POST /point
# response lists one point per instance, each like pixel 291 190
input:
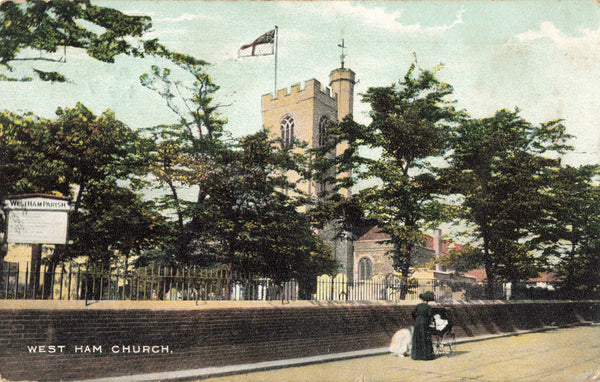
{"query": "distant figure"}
pixel 422 347
pixel 401 342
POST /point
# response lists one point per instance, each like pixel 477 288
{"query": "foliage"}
pixel 244 201
pixel 410 123
pixel 115 222
pixel 409 126
pixel 50 28
pixel 249 215
pixel 582 271
pixel 47 26
pixel 172 163
pixel 23 166
pixel 76 154
pixel 500 162
pixel 464 259
pixel 181 154
pixel 569 229
pixel 334 173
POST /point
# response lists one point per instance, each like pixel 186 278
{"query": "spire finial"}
pixel 343 55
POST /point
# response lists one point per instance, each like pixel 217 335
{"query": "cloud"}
pixel 180 18
pixel 547 30
pixel 136 12
pixel 375 17
pixel 586 45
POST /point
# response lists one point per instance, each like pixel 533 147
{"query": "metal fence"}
pixel 76 282
pixel 380 288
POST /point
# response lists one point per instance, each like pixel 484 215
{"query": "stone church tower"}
pixel 303 113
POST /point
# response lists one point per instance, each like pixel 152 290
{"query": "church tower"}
pixel 342 82
pixel 303 112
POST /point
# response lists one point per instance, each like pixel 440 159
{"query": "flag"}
pixel 262 46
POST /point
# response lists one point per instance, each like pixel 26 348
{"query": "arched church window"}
pixel 323 136
pixel 365 269
pixel 287 130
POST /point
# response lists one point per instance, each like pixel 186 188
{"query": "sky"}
pixel 542 57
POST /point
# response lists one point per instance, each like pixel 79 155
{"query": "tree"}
pixel 77 148
pixel 182 152
pixel 250 219
pixel 52 27
pixel 176 153
pixel 336 173
pixel 570 228
pixel 70 155
pixel 497 166
pixel 115 222
pixel 23 166
pixel 410 124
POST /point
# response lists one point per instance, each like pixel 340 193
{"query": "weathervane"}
pixel 343 55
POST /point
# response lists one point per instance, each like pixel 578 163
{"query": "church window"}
pixel 365 269
pixel 287 130
pixel 323 137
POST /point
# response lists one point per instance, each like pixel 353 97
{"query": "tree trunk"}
pixel 229 280
pixel 489 271
pixel 402 264
pixel 34 275
pixel 570 276
pixel 49 277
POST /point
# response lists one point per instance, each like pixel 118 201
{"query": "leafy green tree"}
pixel 77 148
pixel 570 228
pixel 115 222
pixel 181 153
pixel 69 155
pixel 410 125
pixel 497 165
pixel 333 207
pixel 36 30
pixel 171 165
pixel 51 27
pixel 250 216
pixel 24 167
pixel 92 148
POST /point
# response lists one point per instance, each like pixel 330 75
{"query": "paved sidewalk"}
pixel 561 355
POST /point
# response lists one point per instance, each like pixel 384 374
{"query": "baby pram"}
pixel 441 331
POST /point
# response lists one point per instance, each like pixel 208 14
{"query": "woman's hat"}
pixel 427 296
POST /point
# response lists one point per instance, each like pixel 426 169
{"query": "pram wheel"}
pixel 444 344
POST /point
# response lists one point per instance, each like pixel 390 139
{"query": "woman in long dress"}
pixel 422 347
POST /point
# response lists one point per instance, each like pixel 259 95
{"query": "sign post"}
pixel 36 219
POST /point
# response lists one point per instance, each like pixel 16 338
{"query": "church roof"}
pixel 374 234
pixel 548 277
pixel 377 234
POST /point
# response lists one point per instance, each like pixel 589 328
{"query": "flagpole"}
pixel 275 82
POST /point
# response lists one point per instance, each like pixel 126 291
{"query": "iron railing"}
pixel 391 289
pixel 77 282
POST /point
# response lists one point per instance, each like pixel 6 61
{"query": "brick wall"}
pixel 229 334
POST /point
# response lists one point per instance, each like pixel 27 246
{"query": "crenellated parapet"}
pixel 312 88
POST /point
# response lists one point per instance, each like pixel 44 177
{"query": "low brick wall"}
pixel 124 338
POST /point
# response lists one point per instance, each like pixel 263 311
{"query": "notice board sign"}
pixel 37 219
